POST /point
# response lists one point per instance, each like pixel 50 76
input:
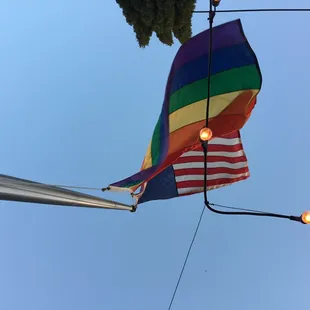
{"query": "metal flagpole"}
pixel 21 190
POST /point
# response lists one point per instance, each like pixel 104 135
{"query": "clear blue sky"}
pixel 79 101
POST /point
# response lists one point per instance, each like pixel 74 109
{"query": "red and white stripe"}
pixel 226 161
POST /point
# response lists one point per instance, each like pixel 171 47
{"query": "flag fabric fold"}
pixel 235 82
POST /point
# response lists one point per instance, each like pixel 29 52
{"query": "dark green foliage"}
pixel 182 28
pixel 143 33
pixel 166 22
pixel 129 12
pixel 164 17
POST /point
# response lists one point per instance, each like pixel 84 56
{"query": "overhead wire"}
pixel 77 187
pixel 235 208
pixel 186 258
pixel 249 211
pixel 205 147
pixel 255 10
pixel 205 143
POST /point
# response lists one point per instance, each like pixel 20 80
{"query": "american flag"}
pixel 226 164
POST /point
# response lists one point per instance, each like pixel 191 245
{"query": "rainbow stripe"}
pixel 235 82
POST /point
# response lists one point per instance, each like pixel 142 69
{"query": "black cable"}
pixel 211 18
pixel 235 208
pixel 187 255
pixel 252 212
pixel 205 143
pixel 254 10
pixel 208 205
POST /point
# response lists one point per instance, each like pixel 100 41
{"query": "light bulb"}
pixel 215 3
pixel 305 217
pixel 205 134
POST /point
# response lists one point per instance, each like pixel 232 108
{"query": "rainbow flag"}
pixel 235 82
